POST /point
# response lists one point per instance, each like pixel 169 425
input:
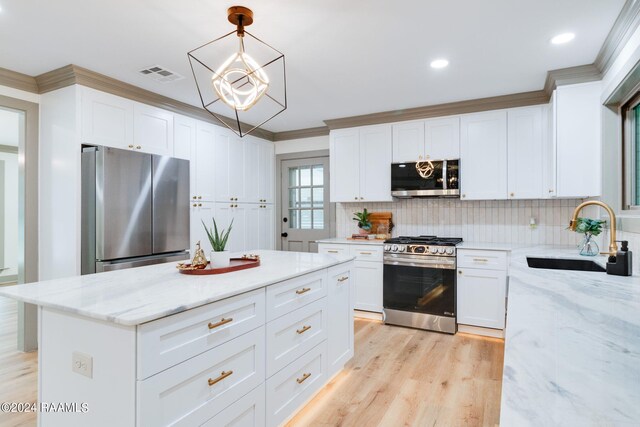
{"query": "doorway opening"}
pixel 11 124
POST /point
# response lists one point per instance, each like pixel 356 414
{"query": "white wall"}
pixel 19 94
pixel 302 144
pixel 10 214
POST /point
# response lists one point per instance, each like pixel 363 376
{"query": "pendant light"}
pixel 241 76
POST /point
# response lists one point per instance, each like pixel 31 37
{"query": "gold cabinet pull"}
pixel 333 252
pixel 459 271
pixel 303 378
pixel 365 253
pixel 138 147
pixel 222 321
pixel 512 194
pixel 481 260
pixel 303 330
pixel 194 197
pixel 194 205
pixel 343 278
pixel 302 291
pixel 222 376
pixel 130 145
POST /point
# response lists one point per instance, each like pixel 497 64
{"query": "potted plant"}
pixel 589 227
pixel 219 255
pixel 363 221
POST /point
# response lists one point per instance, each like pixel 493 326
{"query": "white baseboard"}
pixel 367 315
pixel 477 330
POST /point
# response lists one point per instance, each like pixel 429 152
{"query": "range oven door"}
pixel 419 285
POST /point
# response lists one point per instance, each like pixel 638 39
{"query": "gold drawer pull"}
pixel 333 252
pixel 481 260
pixel 342 279
pixel 303 379
pixel 303 330
pixel 222 321
pixel 302 291
pixel 365 253
pixel 222 376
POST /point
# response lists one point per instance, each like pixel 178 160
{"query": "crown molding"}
pixel 17 80
pixel 73 74
pixel 301 133
pixel 571 75
pixel 623 28
pixel 461 107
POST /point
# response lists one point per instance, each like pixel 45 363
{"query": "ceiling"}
pixel 344 58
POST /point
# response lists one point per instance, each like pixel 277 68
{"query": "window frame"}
pixel 629 141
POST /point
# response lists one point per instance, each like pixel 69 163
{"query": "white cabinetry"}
pixel 152 130
pixel 483 156
pixel 202 162
pixel 184 139
pixel 266 174
pixel 229 167
pixel 106 119
pixel 525 150
pixel 578 132
pixel 408 141
pixel 482 286
pixel 361 164
pixel 201 212
pixel 442 138
pixel 260 227
pixel 341 302
pixel 227 212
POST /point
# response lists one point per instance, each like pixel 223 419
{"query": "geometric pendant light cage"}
pixel 240 78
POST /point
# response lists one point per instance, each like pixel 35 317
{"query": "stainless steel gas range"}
pixel 419 288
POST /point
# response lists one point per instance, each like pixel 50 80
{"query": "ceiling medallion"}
pixel 240 74
pixel 425 169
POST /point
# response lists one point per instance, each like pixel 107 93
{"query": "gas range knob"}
pixel 401 248
pixel 433 250
pixel 387 247
pixel 449 251
pixel 394 248
pixel 440 250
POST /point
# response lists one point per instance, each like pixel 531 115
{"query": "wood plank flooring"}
pixel 398 377
pixel 18 371
pixel 406 377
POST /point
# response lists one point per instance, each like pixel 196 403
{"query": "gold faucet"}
pixel 613 247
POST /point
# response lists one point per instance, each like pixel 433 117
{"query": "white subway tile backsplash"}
pixel 501 221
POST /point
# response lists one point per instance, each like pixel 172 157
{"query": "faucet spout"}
pixel 613 247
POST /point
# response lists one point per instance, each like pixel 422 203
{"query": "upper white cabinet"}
pixel 525 150
pixel 408 141
pixel 229 166
pixel 266 174
pixel 434 139
pixel 442 138
pixel 184 137
pixel 361 164
pixel 106 119
pixel 203 155
pixel 577 140
pixel 153 130
pixel 483 156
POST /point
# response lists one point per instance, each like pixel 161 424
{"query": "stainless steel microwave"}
pixel 435 178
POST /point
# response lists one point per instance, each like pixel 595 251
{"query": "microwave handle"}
pixel 444 175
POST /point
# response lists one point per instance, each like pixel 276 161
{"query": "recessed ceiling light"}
pixel 439 63
pixel 563 38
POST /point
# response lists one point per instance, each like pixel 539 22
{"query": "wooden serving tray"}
pixel 236 265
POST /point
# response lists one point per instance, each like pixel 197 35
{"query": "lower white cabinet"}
pixel 340 305
pixel 192 392
pixel 249 411
pixel 482 289
pixel 294 385
pixel 201 212
pixel 368 285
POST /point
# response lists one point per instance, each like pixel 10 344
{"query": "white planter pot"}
pixel 220 259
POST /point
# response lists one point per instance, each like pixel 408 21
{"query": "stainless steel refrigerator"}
pixel 135 209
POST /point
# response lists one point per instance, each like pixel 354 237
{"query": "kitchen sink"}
pixel 564 264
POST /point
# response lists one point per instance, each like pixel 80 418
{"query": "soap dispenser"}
pixel 622 265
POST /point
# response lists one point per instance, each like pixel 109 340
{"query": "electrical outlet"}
pixel 82 364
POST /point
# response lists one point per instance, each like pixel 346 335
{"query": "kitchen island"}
pixel 150 347
pixel 572 345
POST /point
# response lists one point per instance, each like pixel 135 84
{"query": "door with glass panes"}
pixel 305 203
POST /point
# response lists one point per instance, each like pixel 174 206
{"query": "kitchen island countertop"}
pixel 140 295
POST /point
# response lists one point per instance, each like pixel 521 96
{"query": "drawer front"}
pixel 290 295
pixel 171 340
pixel 367 252
pixel 326 249
pixel 489 260
pixel 194 391
pixel 294 385
pixel 290 336
pixel 249 411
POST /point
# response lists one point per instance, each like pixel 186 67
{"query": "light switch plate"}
pixel 82 364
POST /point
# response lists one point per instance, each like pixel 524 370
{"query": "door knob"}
pixel 285 234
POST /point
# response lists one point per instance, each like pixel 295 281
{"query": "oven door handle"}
pixel 445 265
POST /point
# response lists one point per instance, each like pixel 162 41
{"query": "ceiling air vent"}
pixel 161 74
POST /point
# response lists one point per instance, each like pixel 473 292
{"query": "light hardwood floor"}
pixel 398 377
pixel 407 377
pixel 18 371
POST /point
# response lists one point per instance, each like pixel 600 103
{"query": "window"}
pixel 631 153
pixel 306 197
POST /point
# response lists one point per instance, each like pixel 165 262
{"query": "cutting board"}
pixel 378 218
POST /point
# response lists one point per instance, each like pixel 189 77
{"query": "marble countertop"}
pixel 488 246
pixel 139 295
pixel 345 241
pixel 572 345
